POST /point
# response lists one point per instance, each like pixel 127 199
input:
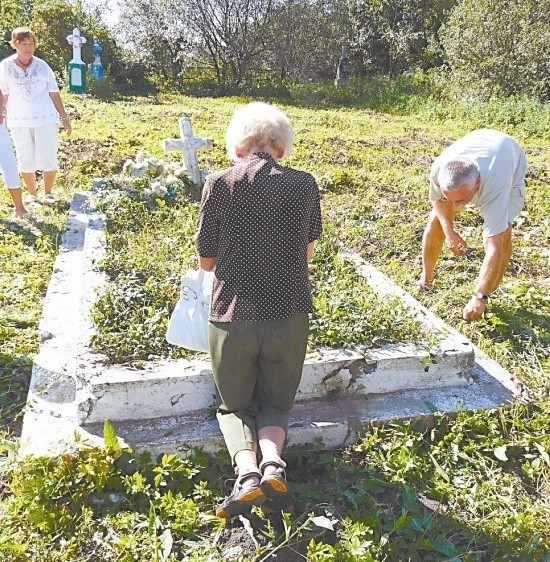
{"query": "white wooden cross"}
pixel 76 41
pixel 189 145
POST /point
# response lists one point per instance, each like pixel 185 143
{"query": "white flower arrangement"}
pixel 144 163
pixel 145 178
pixel 162 175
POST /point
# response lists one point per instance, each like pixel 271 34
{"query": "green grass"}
pixel 470 487
pixel 148 245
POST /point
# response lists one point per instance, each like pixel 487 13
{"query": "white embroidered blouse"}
pixel 29 103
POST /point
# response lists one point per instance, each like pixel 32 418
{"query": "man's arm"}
pixel 445 213
pixel 495 262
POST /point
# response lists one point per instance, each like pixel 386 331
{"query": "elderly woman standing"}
pixel 31 97
pixel 8 167
pixel 257 225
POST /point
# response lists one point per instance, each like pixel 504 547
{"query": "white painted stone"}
pixel 335 419
pixel 174 387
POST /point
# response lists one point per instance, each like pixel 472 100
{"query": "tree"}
pixel 392 36
pixel 13 13
pixel 497 47
pixel 233 42
pixel 52 21
pixel 231 35
pixel 157 35
pixel 288 57
pixel 198 39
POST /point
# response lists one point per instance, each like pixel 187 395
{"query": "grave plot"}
pixel 168 403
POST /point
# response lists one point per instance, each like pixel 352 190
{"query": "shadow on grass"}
pixel 29 231
pixel 519 326
pixel 15 376
pixel 362 516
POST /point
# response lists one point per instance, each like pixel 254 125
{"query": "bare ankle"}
pixel 272 465
pixel 426 280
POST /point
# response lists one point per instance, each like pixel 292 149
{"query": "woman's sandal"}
pixel 242 498
pixel 23 217
pixel 275 487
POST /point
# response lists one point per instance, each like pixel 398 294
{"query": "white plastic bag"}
pixel 188 326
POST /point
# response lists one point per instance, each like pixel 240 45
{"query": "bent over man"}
pixel 485 168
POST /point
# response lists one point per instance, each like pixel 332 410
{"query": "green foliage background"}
pixel 495 48
pixel 472 50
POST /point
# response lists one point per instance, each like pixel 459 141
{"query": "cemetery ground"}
pixel 469 487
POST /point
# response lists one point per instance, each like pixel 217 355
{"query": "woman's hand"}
pixel 56 99
pixel 67 126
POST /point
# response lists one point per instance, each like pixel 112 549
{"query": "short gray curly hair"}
pixel 259 124
pixel 458 172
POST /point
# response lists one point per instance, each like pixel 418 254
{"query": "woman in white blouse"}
pixel 31 97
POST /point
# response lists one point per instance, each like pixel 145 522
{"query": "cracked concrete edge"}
pixel 51 414
pixel 383 285
pixel 338 420
pixel 156 392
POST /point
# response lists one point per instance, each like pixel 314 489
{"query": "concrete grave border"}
pixel 73 391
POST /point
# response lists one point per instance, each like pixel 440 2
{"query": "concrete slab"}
pixel 165 388
pixel 169 405
pixel 336 419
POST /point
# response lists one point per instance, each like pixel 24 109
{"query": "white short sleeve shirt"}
pixel 502 166
pixel 29 103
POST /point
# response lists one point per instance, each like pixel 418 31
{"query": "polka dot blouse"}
pixel 257 219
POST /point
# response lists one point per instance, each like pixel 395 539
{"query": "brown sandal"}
pixel 242 498
pixel 275 488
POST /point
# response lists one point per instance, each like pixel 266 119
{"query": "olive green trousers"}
pixel 257 368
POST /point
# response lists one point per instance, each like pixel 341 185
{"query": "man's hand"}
pixel 474 309
pixel 456 243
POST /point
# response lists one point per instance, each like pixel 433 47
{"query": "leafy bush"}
pixel 494 47
pixel 525 116
pixel 103 89
pixel 57 501
pixel 394 36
